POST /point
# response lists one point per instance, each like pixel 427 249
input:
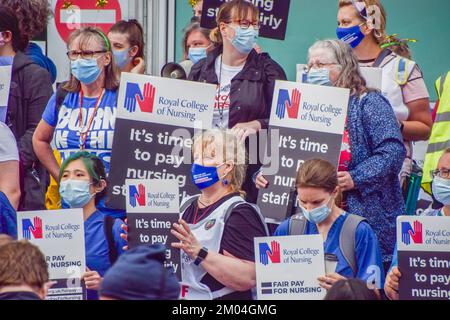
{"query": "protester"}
pixel 196 42
pixel 364 28
pixel 369 171
pixel 351 289
pixel 33 16
pixel 83 184
pixel 9 166
pixel 139 274
pixel 197 8
pixel 30 90
pixel 245 79
pixel 217 228
pixel 127 41
pixel 82 114
pixel 23 272
pixel 441 191
pixel 318 190
pixel 440 135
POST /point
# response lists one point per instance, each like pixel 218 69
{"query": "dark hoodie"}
pixel 34 52
pixel 31 88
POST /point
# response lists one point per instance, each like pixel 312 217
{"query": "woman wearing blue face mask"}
pixel 196 42
pixel 127 41
pixel 441 193
pixel 372 150
pixel 362 24
pixel 317 187
pixel 217 227
pixel 83 185
pixel 81 114
pixel 245 79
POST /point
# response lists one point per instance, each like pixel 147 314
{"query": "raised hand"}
pixel 283 98
pixel 141 196
pixel 417 234
pixel 406 228
pixel 275 255
pixel 132 94
pixel 294 105
pixel 133 194
pixel 148 100
pixel 26 227
pixel 263 256
pixel 37 229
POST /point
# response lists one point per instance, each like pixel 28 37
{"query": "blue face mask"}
pixel 122 58
pixel 353 35
pixel 441 190
pixel 75 193
pixel 319 76
pixel 197 54
pixel 85 70
pixel 204 177
pixel 245 39
pixel 317 215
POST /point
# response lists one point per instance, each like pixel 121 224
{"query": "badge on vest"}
pixel 210 224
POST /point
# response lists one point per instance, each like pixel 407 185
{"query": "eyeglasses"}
pixel 245 24
pixel 87 54
pixel 443 173
pixel 319 65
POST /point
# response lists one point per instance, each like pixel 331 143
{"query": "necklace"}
pixel 221 107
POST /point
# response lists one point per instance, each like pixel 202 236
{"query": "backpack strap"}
pixel 381 57
pixel 61 94
pixel 297 225
pixel 187 203
pixel 108 229
pixel 347 240
pixel 441 86
pixel 234 205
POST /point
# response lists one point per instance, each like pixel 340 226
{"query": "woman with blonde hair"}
pixel 362 24
pixel 217 227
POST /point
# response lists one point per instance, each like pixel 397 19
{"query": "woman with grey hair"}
pixel 373 150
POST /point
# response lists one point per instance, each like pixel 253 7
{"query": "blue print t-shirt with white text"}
pixel 67 136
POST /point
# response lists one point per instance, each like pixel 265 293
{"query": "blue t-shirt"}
pixel 97 249
pixel 67 137
pixel 368 254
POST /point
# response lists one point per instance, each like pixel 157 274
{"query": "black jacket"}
pixel 251 90
pixel 31 88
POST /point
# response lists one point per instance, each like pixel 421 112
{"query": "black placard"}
pixel 295 147
pixel 138 149
pixel 273 16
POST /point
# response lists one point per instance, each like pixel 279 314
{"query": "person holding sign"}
pixel 81 114
pixel 217 228
pixel 245 79
pixel 441 192
pixel 82 185
pixel 318 189
pixel 372 152
pixel 127 41
pixel 362 24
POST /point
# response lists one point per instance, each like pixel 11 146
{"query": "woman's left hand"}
pixel 345 181
pixel 92 280
pixel 188 242
pixel 244 130
pixel 329 280
pixel 124 235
